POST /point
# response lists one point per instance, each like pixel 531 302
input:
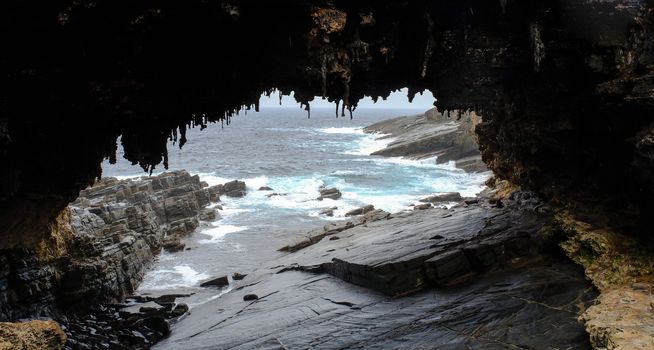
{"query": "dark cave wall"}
pixel 565 87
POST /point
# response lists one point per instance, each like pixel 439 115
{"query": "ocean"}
pixel 281 148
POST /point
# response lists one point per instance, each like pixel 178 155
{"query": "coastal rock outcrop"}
pixel 118 227
pixel 330 193
pixel 101 245
pixel 446 136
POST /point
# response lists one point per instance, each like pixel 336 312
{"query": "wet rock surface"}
pixel 474 276
pixel 137 323
pixel 447 136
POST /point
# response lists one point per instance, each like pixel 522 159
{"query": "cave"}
pixel 565 90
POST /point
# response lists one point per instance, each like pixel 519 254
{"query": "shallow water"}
pixel 284 150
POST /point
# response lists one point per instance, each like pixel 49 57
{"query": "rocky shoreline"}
pixel 446 136
pixel 475 275
pixel 97 253
pixel 483 271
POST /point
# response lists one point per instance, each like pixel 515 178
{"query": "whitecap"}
pixel 256 182
pixel 181 276
pixel 369 144
pixel 212 179
pixel 342 130
pixel 217 233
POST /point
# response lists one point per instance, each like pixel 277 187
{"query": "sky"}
pixel 397 99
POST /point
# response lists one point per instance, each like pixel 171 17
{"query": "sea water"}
pixel 281 148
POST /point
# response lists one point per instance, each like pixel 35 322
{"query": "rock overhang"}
pixel 565 88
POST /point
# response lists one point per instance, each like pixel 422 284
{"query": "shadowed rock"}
pixel 216 282
pixel 443 197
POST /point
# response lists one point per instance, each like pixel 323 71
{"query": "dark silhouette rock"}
pixel 250 297
pixel 216 282
pixel 234 188
pixel 443 198
pixel 238 276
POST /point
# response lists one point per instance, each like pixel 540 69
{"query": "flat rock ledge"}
pixel 473 276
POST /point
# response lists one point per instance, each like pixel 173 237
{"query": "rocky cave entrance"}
pixel 564 88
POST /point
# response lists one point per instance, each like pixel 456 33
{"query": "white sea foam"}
pixel 218 233
pixel 391 203
pixel 343 130
pixel 369 144
pixel 212 179
pixel 180 276
pixel 256 182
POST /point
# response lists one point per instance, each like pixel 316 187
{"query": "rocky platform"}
pixel 446 136
pixel 474 276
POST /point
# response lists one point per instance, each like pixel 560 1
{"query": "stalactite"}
pixel 323 75
pixel 537 45
pixel 337 102
pixel 429 46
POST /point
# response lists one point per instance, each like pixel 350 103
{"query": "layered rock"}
pixel 119 225
pixel 446 136
pixel 99 248
pixel 474 276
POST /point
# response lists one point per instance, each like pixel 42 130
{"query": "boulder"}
pixel 330 193
pixel 208 214
pixel 360 211
pixel 157 324
pixel 265 188
pixel 422 206
pixel 328 211
pixel 238 276
pixel 173 245
pixel 179 310
pixel 234 188
pixel 216 282
pixel 250 297
pixel 443 198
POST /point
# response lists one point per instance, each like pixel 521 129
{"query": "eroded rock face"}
pixel 565 89
pixel 100 246
pixel 446 136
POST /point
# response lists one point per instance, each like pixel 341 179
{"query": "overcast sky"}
pixel 397 99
